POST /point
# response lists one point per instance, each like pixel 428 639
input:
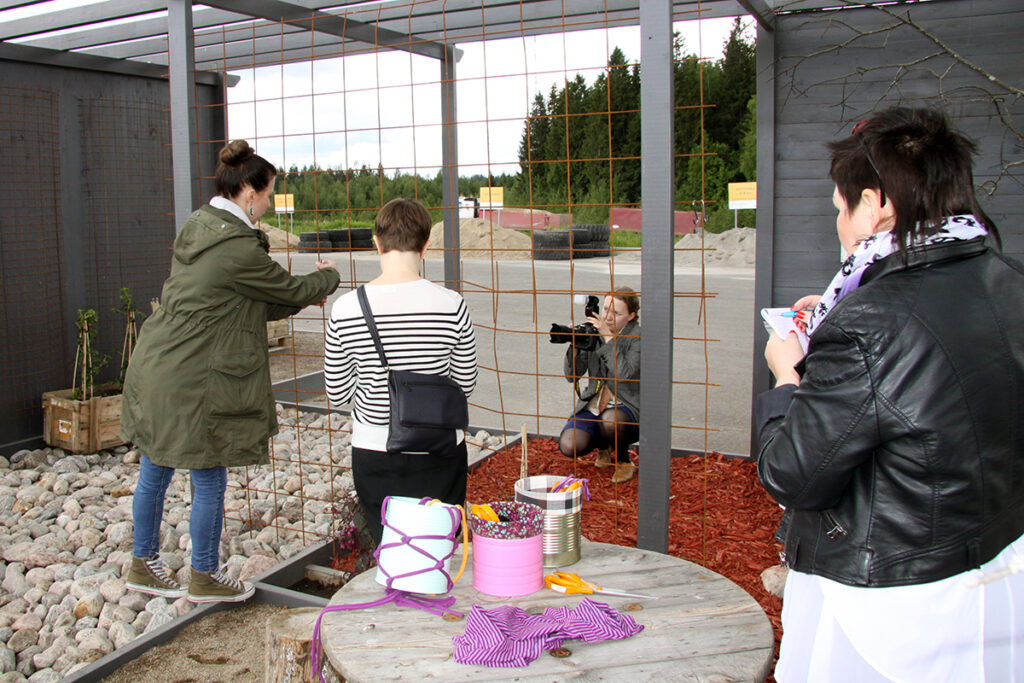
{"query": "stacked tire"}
pixel 346 239
pixel 579 241
pixel 314 242
pixel 351 239
pixel 596 242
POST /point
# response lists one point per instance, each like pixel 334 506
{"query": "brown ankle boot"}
pixel 623 472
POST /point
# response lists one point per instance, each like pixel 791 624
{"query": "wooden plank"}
pixel 325 575
pixel 702 626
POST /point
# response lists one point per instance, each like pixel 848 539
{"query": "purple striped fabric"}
pixel 507 636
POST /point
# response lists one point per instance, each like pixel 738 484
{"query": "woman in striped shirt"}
pixel 424 328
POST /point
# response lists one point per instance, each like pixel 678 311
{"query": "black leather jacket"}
pixel 900 457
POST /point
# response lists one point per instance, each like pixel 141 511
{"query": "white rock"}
pixel 160 619
pixel 30 554
pixel 122 633
pixel 72 508
pixel 182 606
pixel 255 565
pixel 28 620
pixel 113 590
pixel 95 642
pixel 23 639
pixel 106 617
pixel 40 577
pixel 774 579
pixel 45 659
pixel 119 535
pixel 14 583
pixel 44 675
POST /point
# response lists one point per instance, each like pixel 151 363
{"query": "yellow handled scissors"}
pixel 564 582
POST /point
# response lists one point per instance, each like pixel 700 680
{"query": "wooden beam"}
pixel 73 60
pixel 315 20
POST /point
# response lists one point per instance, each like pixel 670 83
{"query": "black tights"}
pixel 614 430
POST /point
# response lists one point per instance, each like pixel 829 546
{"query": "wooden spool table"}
pixel 702 627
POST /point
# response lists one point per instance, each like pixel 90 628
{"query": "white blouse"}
pixel 969 627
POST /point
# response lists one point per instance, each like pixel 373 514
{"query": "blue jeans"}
pixel 205 522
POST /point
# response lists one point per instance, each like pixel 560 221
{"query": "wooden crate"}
pixel 82 426
pixel 279 334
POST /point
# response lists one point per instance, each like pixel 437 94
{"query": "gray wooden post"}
pixel 450 172
pixel 657 262
pixel 181 69
pixel 764 274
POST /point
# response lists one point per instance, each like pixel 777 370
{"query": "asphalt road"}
pixel 513 304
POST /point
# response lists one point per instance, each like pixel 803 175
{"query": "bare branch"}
pixel 939 66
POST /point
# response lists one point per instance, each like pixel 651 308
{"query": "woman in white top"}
pixel 423 327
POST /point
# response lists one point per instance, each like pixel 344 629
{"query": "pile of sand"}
pixel 279 239
pixel 481 238
pixel 733 248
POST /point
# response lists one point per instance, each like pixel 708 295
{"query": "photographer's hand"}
pixel 602 327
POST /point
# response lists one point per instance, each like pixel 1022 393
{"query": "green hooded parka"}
pixel 197 393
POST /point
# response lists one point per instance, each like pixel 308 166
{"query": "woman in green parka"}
pixel 197 394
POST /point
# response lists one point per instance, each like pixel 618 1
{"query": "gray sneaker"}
pixel 217 587
pixel 152 577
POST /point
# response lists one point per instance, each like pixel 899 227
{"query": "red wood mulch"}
pixel 719 516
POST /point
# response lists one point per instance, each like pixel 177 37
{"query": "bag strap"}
pixel 368 316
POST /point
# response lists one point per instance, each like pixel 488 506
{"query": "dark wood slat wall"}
pixel 983 32
pixel 101 176
pixel 820 99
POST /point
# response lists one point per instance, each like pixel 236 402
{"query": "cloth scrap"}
pixel 507 636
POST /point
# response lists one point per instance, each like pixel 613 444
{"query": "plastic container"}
pixel 420 564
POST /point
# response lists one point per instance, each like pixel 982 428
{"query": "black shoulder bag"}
pixel 425 409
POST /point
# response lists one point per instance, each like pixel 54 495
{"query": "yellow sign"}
pixel 492 197
pixel 742 195
pixel 284 203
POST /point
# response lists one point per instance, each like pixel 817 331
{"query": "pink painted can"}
pixel 508 567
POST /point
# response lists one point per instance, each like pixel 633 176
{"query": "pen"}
pixel 790 314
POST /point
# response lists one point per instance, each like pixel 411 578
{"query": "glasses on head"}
pixel 857 134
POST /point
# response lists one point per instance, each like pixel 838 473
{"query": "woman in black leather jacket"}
pixel 897 444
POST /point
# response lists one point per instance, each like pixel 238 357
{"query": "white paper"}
pixel 782 325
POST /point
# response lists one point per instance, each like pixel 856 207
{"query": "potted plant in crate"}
pixel 87 417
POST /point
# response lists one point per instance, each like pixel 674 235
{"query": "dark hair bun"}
pixel 236 152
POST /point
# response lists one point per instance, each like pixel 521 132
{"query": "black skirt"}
pixel 378 475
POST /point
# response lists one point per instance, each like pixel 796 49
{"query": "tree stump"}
pixel 289 643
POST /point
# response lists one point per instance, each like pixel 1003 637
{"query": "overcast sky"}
pixel 385 107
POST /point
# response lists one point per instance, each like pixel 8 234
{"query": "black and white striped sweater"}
pixel 423 328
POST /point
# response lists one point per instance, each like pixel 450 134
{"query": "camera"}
pixel 583 336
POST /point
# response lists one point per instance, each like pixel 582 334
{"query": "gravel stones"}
pixel 66 538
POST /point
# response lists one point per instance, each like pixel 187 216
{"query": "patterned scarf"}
pixel 878 246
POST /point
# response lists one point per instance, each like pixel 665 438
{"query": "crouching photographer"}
pixel 607 350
